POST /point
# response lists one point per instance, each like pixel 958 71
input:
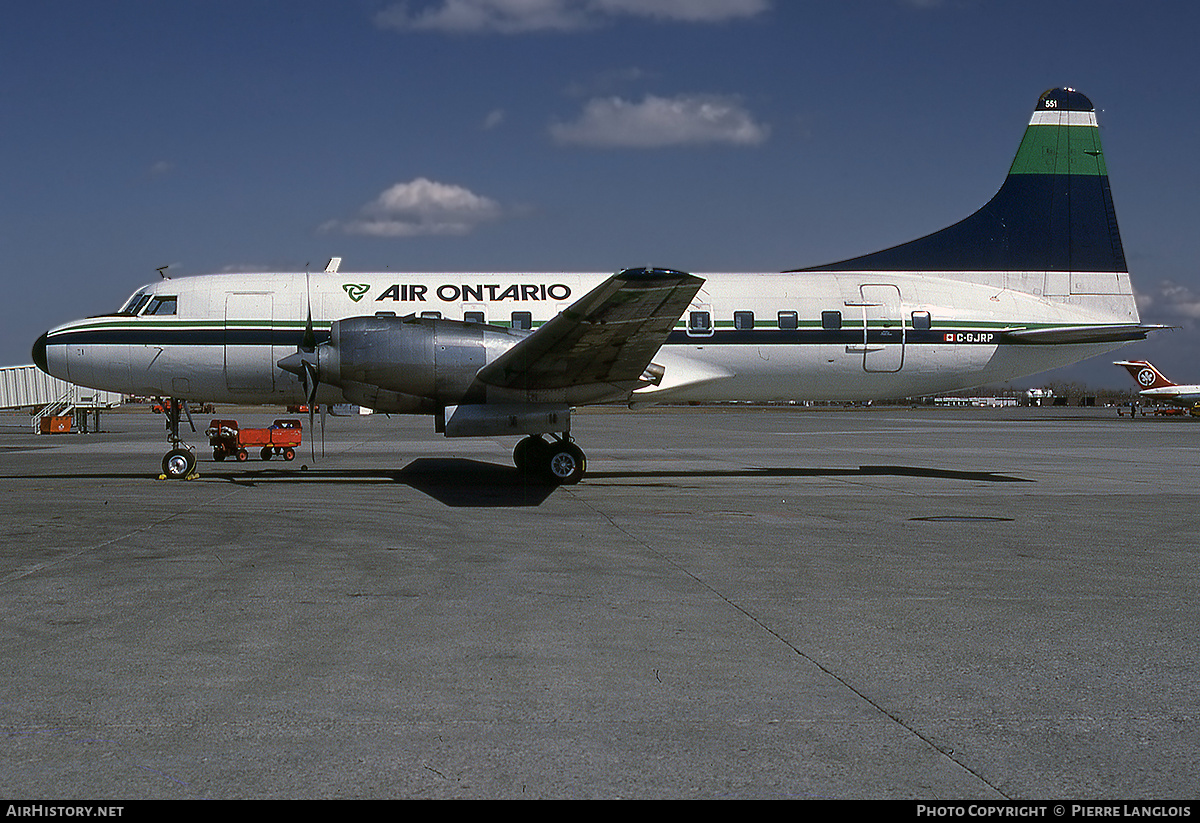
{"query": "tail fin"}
pixel 1053 213
pixel 1145 374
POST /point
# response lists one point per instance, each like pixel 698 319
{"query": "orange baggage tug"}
pixel 230 440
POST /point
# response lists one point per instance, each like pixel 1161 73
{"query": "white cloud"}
pixel 521 16
pixel 1172 300
pixel 494 118
pixel 613 122
pixel 475 16
pixel 690 11
pixel 420 207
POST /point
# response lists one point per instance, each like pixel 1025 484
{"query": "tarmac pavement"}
pixel 740 602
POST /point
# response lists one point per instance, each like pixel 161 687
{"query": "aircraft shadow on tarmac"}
pixel 861 471
pixel 456 482
pixel 461 482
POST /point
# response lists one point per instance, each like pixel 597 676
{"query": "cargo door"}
pixel 883 329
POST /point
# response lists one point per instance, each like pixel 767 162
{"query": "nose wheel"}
pixel 559 461
pixel 180 462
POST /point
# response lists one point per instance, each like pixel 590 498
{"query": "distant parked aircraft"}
pixel 1157 387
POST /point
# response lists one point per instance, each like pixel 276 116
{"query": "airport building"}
pixel 54 405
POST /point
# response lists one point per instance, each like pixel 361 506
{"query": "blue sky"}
pixel 451 135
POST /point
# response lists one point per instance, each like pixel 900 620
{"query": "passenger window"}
pixel 432 315
pixel 788 320
pixel 522 320
pixel 922 320
pixel 700 323
pixel 162 306
pixel 831 320
pixel 473 317
pixel 743 320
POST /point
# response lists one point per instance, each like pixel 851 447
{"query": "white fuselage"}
pixel 756 337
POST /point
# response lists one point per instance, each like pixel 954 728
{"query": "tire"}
pixel 289 453
pixel 178 464
pixel 526 452
pixel 564 463
pixel 266 453
pixel 242 456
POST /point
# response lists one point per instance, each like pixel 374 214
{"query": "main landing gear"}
pixel 180 462
pixel 558 461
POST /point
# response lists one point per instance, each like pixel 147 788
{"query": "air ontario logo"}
pixel 357 291
pixel 1146 377
pixel 452 293
pixel 476 293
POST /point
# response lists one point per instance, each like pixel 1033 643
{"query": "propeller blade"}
pixel 324 409
pixel 311 382
pixel 308 343
pixel 310 393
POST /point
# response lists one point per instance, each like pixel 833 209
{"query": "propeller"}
pixel 305 364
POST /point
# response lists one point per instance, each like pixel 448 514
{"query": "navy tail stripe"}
pixel 1036 222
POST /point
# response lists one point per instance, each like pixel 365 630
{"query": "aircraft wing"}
pixel 608 336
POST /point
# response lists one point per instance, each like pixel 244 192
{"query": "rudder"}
pixel 1145 374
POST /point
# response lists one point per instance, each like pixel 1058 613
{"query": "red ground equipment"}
pixel 230 440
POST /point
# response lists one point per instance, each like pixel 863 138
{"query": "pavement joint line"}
pixel 18 575
pixel 943 751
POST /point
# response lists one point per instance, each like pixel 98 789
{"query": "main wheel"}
pixel 564 462
pixel 526 453
pixel 178 463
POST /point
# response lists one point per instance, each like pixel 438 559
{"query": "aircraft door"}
pixel 249 363
pixel 884 331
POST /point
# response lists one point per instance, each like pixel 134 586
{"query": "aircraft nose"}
pixel 39 353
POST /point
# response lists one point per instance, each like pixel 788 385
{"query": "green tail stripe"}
pixel 1060 150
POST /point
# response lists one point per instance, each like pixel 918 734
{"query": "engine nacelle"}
pixel 410 364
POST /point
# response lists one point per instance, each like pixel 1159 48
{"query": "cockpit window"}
pixel 134 304
pixel 161 305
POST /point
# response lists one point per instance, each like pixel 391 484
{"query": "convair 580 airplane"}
pixel 1034 280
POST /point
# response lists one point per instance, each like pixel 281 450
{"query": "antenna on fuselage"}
pixel 162 272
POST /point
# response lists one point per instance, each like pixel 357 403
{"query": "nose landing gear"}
pixel 180 462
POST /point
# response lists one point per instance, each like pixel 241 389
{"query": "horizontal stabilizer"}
pixel 1081 334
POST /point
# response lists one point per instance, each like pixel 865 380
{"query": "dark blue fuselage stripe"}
pixel 291 338
pixel 184 337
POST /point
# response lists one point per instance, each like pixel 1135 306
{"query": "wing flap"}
pixel 608 336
